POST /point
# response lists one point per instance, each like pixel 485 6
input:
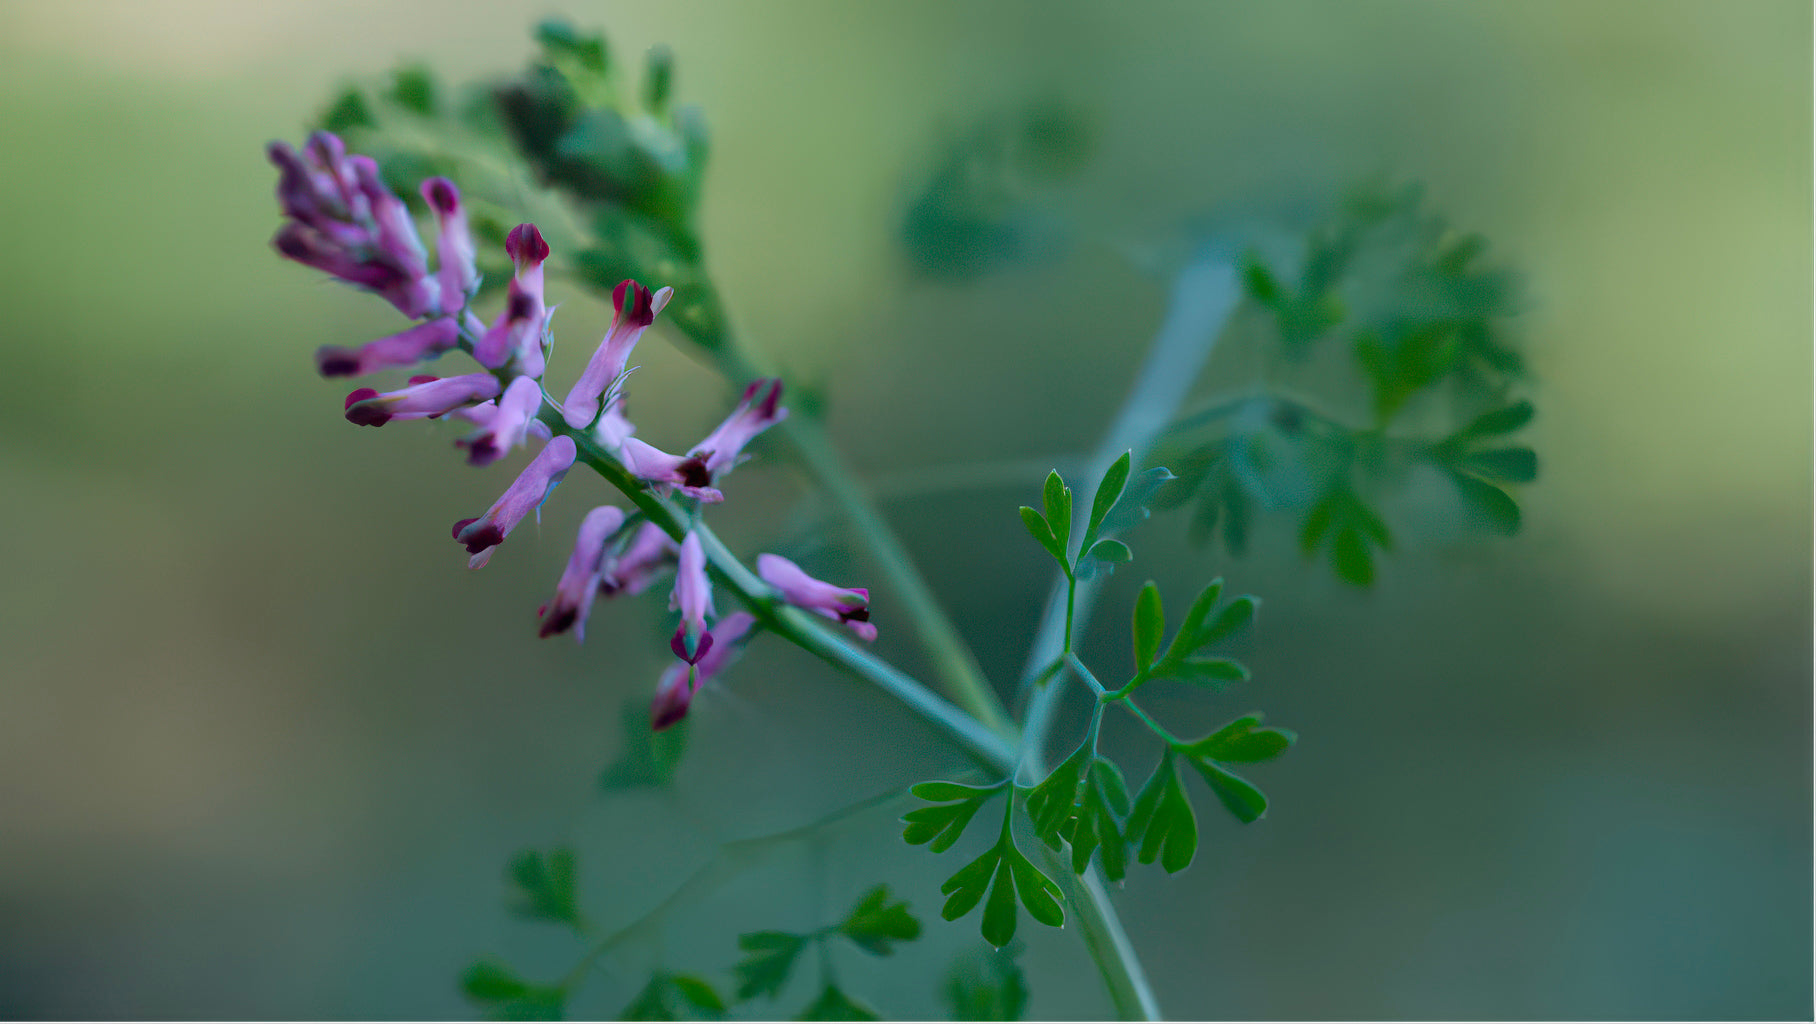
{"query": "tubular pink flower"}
pixel 612 429
pixel 757 411
pixel 675 691
pixel 527 250
pixel 507 426
pixel 405 348
pixel 426 397
pixel 580 581
pixel 850 606
pixel 650 551
pixel 458 274
pixel 397 242
pixel 312 248
pixel 634 309
pixel 688 474
pixel 526 493
pixel 693 597
pixel 310 189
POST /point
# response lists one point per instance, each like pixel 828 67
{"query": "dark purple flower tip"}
pixel 487 535
pixel 693 473
pixel 634 303
pixel 334 361
pixel 857 615
pixel 521 305
pixel 423 378
pixel 673 695
pixel 768 408
pixel 679 644
pixel 525 245
pixel 560 622
pixel 481 451
pixel 441 194
pixel 363 412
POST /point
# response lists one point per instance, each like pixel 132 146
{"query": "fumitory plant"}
pixel 561 165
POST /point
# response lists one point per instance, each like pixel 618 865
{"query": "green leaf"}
pixel 558 37
pixel 1111 550
pixel 769 956
pixel 652 1003
pixel 545 886
pixel 1231 620
pixel 491 982
pixel 1131 509
pixel 1148 624
pixel 1261 283
pixel 1499 421
pixel 1042 533
pixel 1093 826
pixel 1161 820
pixel 1514 465
pixel 1350 556
pixel 987 987
pixel 876 924
pixel 1057 498
pixel 999 912
pixel 1039 894
pixel 1242 743
pixel 413 88
pixel 1109 489
pixel 1489 504
pixel 836 1005
pixel 1317 523
pixel 1185 640
pixel 502 995
pixel 698 994
pixel 1238 794
pixel 1212 671
pixel 648 759
pixel 1050 802
pixel 940 826
pixel 347 112
pixel 968 884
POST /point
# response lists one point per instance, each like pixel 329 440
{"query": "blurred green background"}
pixel 266 744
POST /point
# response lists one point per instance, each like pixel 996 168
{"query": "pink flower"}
pixel 526 493
pixel 580 581
pixel 519 329
pixel 426 398
pixel 675 691
pixel 849 606
pixel 634 569
pixel 693 597
pixel 507 425
pixel 405 348
pixel 757 411
pixel 634 309
pixel 458 275
pixel 345 222
pixel 687 473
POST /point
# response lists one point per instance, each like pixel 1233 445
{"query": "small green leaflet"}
pixel 1198 630
pixel 1057 498
pixel 1242 741
pixel 1093 824
pixel 1109 490
pixel 497 991
pixel 769 956
pixel 940 826
pixel 1161 823
pixel 1354 530
pixel 876 924
pixel 1004 873
pixel 545 886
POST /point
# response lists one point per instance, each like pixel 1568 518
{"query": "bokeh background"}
pixel 266 744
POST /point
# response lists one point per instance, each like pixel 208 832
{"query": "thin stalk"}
pixel 954 664
pixel 1204 295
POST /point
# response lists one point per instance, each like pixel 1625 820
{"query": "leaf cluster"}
pixel 1003 873
pixel 544 886
pixel 500 994
pixel 1120 502
pixel 875 925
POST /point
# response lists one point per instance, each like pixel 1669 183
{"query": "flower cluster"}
pixel 343 220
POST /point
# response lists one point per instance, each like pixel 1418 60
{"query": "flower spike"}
pixel 675 691
pixel 580 581
pixel 634 309
pixel 693 597
pixel 850 606
pixel 525 494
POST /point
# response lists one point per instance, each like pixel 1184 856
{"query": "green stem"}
pixel 1134 709
pixel 953 662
